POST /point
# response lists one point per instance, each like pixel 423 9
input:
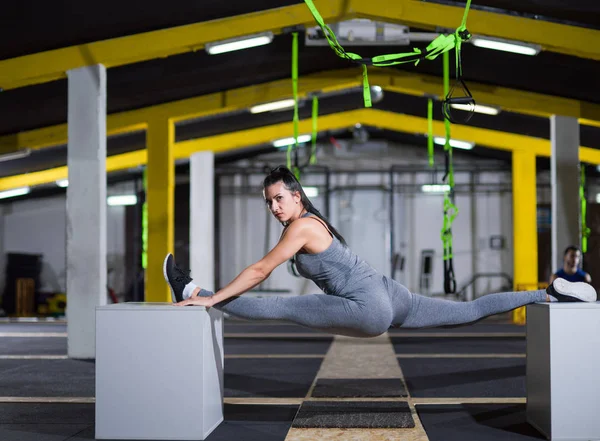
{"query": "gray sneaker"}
pixel 565 291
pixel 175 277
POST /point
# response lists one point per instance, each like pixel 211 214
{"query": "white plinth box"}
pixel 159 371
pixel 563 370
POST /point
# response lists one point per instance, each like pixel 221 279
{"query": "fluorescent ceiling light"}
pixel 455 143
pixel 435 188
pixel 236 44
pixel 311 192
pixel 19 154
pixel 506 46
pixel 14 192
pixel 62 183
pixel 126 199
pixel 275 105
pixel 290 141
pixel 487 110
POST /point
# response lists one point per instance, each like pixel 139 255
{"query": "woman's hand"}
pixel 197 301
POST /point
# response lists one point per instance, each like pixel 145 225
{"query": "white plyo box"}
pixel 159 371
pixel 563 370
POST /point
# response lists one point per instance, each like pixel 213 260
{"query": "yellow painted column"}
pixel 160 195
pixel 525 220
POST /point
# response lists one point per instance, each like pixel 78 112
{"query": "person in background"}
pixel 570 270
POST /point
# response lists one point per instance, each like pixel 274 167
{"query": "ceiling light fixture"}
pixel 311 192
pixel 506 45
pixel 126 199
pixel 284 142
pixel 236 44
pixel 62 183
pixel 455 143
pixel 435 188
pixel 275 105
pixel 19 154
pixel 487 110
pixel 14 192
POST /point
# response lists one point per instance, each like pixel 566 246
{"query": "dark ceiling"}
pixel 42 26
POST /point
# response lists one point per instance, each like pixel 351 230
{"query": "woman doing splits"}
pixel 357 301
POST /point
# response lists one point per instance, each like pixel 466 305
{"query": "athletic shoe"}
pixel 565 291
pixel 175 277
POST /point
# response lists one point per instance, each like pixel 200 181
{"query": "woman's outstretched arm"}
pixel 291 242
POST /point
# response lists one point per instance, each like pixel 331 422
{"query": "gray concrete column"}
pixel 202 262
pixel 86 207
pixel 564 172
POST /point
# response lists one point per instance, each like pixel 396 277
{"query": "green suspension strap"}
pixel 430 131
pixel 442 44
pixel 450 210
pixel 295 96
pixel 315 115
pixel 585 231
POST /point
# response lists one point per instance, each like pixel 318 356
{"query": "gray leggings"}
pixel 374 306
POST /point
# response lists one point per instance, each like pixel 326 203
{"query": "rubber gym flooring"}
pixel 285 382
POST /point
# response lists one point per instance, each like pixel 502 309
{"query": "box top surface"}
pixel 568 305
pixel 148 306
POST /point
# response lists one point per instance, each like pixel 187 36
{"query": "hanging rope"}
pixel 585 231
pixel 450 210
pixel 315 115
pixel 442 44
pixel 295 96
pixel 430 131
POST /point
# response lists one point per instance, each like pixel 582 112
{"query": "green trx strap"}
pixel 315 115
pixel 295 95
pixel 585 231
pixel 430 131
pixel 442 44
pixel 450 210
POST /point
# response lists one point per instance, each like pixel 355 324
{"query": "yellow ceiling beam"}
pixel 113 163
pixel 53 65
pixel 555 37
pixel 187 109
pixel 328 81
pixel 264 135
pixel 512 100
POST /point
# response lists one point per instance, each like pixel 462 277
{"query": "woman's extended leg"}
pixel 331 314
pixel 417 311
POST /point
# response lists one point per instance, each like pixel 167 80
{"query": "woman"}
pixel 358 301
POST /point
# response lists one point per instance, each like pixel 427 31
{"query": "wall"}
pixel 362 217
pixel 38 226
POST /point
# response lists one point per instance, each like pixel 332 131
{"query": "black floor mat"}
pixel 270 377
pixel 459 345
pixel 353 414
pixel 359 388
pixel 464 377
pixel 490 422
pixel 254 346
pixel 47 378
pixel 33 346
pixel 59 421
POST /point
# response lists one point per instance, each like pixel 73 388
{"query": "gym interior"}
pixel 455 145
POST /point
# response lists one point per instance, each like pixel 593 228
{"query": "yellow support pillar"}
pixel 160 140
pixel 525 220
pixel 525 244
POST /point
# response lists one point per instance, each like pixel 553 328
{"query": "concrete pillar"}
pixel 202 263
pixel 86 207
pixel 564 172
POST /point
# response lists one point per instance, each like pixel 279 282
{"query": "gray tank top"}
pixel 333 269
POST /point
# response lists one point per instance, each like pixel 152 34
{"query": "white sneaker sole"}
pixel 167 279
pixel 580 290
